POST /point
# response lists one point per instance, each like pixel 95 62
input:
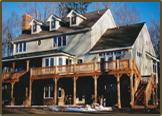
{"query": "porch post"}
pixel 74 98
pixel 131 87
pixel 30 92
pixel 95 77
pixel 118 90
pixel 156 97
pixel 153 97
pixel 13 66
pixel 12 89
pixel 27 65
pixel 55 79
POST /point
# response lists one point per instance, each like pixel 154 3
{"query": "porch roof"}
pixel 36 55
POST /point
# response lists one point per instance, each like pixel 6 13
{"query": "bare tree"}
pixel 97 6
pixel 62 9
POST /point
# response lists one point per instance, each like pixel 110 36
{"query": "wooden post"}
pixel 153 97
pixel 74 69
pixel 13 66
pixel 27 65
pixel 156 98
pixel 117 65
pixel 118 90
pixel 95 68
pixel 56 69
pixel 135 83
pixel 12 90
pixel 131 87
pixel 130 64
pixel 74 98
pixel 30 92
pixel 95 77
pixel 55 92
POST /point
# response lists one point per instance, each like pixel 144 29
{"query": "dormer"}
pixel 75 18
pixel 35 26
pixel 54 22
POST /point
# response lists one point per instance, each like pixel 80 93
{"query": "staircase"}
pixel 144 91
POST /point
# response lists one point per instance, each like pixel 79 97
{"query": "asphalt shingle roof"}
pixel 123 36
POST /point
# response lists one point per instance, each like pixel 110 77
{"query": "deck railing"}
pixel 115 65
pixel 12 75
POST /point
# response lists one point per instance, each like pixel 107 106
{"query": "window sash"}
pixel 60 61
pixel 73 20
pixel 47 62
pixel 52 62
pixel 59 41
pixel 20 47
pixel 34 27
pixel 53 24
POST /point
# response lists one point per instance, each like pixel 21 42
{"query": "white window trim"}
pixel 57 41
pixel 19 47
pixel 49 64
pixel 48 91
pixel 113 55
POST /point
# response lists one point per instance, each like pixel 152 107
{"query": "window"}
pixel 110 58
pixel 154 67
pixel 52 62
pixel 17 46
pixel 102 54
pixel 80 61
pixel 73 20
pixel 139 54
pixel 35 27
pixel 47 62
pixel 48 91
pixel 59 91
pixel 117 57
pixel 53 24
pixel 39 42
pixel 68 61
pixel 60 61
pixel 59 41
pixel 20 47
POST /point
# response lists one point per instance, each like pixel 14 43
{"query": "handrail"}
pixel 114 65
pixel 149 87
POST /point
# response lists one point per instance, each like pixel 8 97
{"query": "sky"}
pixel 147 9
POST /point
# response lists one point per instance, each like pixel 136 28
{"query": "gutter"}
pixel 47 36
pixel 152 57
pixel 113 49
pixel 37 57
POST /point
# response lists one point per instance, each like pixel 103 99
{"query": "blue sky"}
pixel 147 9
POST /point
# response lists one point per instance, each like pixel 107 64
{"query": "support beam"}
pixel 135 83
pixel 26 96
pixel 118 90
pixel 27 65
pixel 12 90
pixel 132 91
pixel 55 92
pixel 13 66
pixel 95 77
pixel 74 99
pixel 30 92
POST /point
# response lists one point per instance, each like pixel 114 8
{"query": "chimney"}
pixel 26 19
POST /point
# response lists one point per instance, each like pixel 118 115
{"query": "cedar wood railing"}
pixel 149 87
pixel 115 65
pixel 12 75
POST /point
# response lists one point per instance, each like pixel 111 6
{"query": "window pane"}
pixel 54 42
pixel 73 20
pixel 117 57
pixel 20 47
pixel 17 45
pixel 51 91
pixel 80 61
pixel 46 91
pixel 47 62
pixel 35 27
pixel 64 40
pixel 60 61
pixel 52 62
pixel 110 58
pixel 24 49
pixel 53 24
pixel 59 41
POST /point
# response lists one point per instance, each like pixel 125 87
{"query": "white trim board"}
pixel 153 57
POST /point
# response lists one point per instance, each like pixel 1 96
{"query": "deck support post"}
pixel 95 77
pixel 12 90
pixel 118 90
pixel 135 84
pixel 55 92
pixel 156 97
pixel 74 99
pixel 13 66
pixel 132 91
pixel 30 92
pixel 153 97
pixel 27 65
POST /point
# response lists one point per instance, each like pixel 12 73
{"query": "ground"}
pixel 31 110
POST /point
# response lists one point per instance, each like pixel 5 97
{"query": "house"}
pixel 80 59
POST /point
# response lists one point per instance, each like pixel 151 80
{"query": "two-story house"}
pixel 79 59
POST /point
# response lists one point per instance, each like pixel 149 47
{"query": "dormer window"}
pixel 35 27
pixel 73 20
pixel 53 24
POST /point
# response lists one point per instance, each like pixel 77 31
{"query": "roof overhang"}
pixel 72 11
pixel 55 54
pixel 112 49
pixel 31 23
pixel 153 57
pixel 52 35
pixel 55 18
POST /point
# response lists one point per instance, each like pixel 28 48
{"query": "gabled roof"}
pixel 92 18
pixel 57 18
pixel 36 54
pixel 123 36
pixel 72 11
